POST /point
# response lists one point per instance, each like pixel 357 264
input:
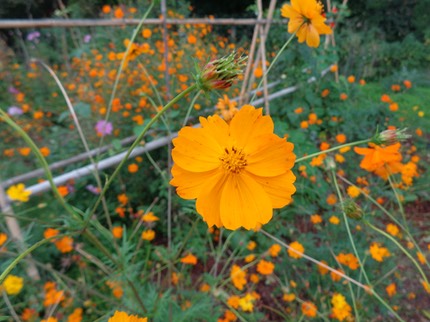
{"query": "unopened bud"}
pixel 390 137
pixel 352 210
pixel 330 164
pixel 221 73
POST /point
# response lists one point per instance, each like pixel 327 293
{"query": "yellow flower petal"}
pixel 279 188
pixel 244 203
pixel 272 156
pixel 190 184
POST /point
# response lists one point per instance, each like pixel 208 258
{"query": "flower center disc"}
pixel 233 160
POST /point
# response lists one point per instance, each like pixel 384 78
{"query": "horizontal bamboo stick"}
pixel 68 23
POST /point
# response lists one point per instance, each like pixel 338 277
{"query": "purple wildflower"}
pixel 91 188
pixel 87 39
pixel 103 128
pixel 14 110
pixel 13 90
pixel 33 36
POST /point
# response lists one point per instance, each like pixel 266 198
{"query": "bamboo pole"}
pixel 70 23
pixel 263 58
pixel 61 164
pixel 15 232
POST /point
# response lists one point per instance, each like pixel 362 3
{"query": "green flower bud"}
pixel 220 73
pixel 390 137
pixel 352 209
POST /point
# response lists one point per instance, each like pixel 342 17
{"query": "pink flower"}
pixel 103 128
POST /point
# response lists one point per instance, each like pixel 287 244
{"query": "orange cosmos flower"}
pixel 65 244
pixel 385 98
pixel 124 317
pixel 341 138
pixel 316 219
pixel 309 309
pixel 238 277
pixel 407 83
pixel 306 20
pixel 189 259
pixel 348 260
pixel 381 160
pixel 238 172
pixel 378 253
pixel 298 247
pixel 341 310
pixel 274 250
pixel 391 289
pixel 265 267
pixel 117 232
pixel 392 229
pixel 148 235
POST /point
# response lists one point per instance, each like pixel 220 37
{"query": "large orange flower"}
pixel 306 19
pixel 238 172
pixel 381 160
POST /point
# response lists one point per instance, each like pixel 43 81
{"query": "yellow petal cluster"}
pixel 238 171
pixel 306 20
pixel 124 317
pixel 18 192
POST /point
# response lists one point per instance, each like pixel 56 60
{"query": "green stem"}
pixel 385 211
pixel 331 149
pixel 25 253
pixel 137 141
pixel 399 202
pixel 274 61
pixel 191 108
pixel 42 161
pixel 400 247
pixel 345 218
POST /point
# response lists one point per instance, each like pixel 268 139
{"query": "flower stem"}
pixel 385 211
pixel 399 202
pixel 25 253
pixel 365 287
pixel 400 247
pixel 368 289
pixel 137 141
pixel 331 150
pixel 42 161
pixel 274 61
pixel 345 218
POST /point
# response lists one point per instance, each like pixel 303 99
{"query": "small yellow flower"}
pixel 353 191
pixel 18 192
pixel 148 235
pixel 149 217
pixel 265 267
pixel 392 229
pixel 391 289
pixel 334 220
pixel 13 284
pixel 190 259
pixel 124 317
pixel 309 309
pixel 274 250
pixel 378 253
pixel 298 247
pixel 422 259
pixel 238 277
pixel 249 258
pixel 289 297
pixel 316 219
